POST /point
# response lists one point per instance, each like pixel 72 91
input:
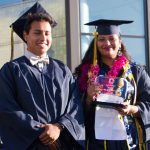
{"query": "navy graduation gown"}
pixel 29 97
pixel 142 80
pixel 143 102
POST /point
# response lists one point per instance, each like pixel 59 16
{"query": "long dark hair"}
pixel 88 57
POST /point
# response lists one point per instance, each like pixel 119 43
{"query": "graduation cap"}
pixel 105 27
pixel 18 25
pixel 108 27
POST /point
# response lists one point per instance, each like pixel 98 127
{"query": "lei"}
pixel 89 73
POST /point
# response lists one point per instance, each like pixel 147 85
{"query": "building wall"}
pixel 11 11
pixel 73 33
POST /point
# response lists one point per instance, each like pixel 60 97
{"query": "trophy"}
pixel 112 91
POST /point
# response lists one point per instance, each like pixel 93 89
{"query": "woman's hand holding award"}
pixel 112 93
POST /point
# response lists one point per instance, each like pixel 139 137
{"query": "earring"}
pixel 119 52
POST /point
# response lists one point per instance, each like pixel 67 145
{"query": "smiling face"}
pixel 39 37
pixel 108 45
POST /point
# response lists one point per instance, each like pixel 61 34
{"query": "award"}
pixel 113 92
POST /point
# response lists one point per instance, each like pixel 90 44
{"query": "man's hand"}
pixel 50 134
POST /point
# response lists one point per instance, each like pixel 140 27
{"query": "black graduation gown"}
pixel 143 102
pixel 29 97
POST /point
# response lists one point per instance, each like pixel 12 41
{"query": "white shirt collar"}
pixel 34 59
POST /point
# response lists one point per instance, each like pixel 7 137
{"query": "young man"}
pixel 40 107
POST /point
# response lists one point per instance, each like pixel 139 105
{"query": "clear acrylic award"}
pixel 112 91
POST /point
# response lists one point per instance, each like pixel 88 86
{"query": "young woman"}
pixel 117 116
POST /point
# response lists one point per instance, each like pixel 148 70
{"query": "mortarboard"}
pixel 18 25
pixel 105 27
pixel 108 27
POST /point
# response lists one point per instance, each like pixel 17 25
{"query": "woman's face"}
pixel 108 45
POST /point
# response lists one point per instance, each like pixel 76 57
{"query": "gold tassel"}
pixel 144 146
pixel 12 44
pixel 105 145
pixel 138 126
pixel 94 55
pixel 87 145
pixel 94 50
pixel 140 135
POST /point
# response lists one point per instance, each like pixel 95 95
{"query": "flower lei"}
pixel 89 73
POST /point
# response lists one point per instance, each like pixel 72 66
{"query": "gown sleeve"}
pixel 14 121
pixel 73 116
pixel 143 97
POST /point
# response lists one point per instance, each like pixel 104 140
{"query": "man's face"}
pixel 39 38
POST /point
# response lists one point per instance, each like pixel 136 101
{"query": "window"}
pixel 133 35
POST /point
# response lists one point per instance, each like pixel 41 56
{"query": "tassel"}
pixel 90 74
pixel 87 145
pixel 94 50
pixel 105 145
pixel 12 44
